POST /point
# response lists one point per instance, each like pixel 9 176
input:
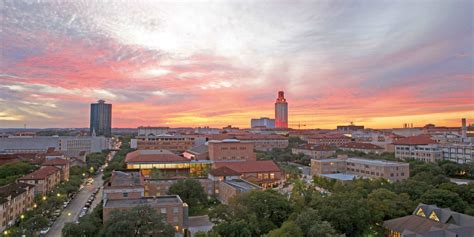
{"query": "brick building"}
pixel 15 199
pixel 315 151
pixel 420 147
pixel 61 164
pixel 44 179
pixel 361 147
pixel 230 150
pixel 328 139
pixel 393 171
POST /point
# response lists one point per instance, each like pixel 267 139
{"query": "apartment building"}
pixel 459 153
pixel 61 164
pixel 393 171
pixel 15 199
pixel 420 147
pixel 315 151
pixel 44 179
pixel 230 150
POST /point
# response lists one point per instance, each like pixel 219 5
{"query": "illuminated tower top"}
pixel 281 97
pixel 281 111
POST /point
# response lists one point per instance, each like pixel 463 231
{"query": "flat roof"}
pixel 375 162
pixel 340 176
pixel 143 201
pixel 241 185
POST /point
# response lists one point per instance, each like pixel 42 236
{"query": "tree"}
pixel 388 205
pixel 33 224
pixel 139 221
pixel 234 229
pixel 443 198
pixel 190 191
pixel 348 212
pixel 288 229
pixel 312 226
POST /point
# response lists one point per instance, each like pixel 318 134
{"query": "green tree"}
pixel 190 191
pixel 312 226
pixel 288 229
pixel 233 229
pixel 33 225
pixel 388 205
pixel 139 221
pixel 443 198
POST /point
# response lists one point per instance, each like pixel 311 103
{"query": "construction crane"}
pixel 299 125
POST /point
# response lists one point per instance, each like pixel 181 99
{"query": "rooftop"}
pixel 121 179
pixel 152 201
pixel 14 190
pixel 250 166
pixel 374 162
pixel 198 149
pixel 55 161
pixel 415 140
pixel 42 173
pixel 224 171
pixel 340 176
pixel 153 156
pixel 242 185
pixel 328 136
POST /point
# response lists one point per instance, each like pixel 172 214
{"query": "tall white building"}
pixel 262 122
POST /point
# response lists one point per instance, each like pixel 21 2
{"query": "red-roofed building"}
pixel 328 139
pixel 420 147
pixel 44 179
pixel 168 163
pixel 264 173
pixel 361 147
pixel 262 142
pixel 61 164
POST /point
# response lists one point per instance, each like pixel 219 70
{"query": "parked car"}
pixel 43 232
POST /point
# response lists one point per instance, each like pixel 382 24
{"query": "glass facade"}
pixel 101 119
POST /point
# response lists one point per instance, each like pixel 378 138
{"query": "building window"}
pixel 175 210
pixel 420 212
pixel 163 210
pixel 125 195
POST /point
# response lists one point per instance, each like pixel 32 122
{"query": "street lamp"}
pixel 59 195
pixel 35 206
pixel 22 216
pixel 44 198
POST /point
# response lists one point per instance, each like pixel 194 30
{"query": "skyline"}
pixel 214 63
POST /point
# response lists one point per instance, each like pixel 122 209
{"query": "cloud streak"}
pixel 219 63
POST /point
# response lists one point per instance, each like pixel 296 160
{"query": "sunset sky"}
pixel 377 63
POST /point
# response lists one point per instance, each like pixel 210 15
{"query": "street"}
pixel 75 206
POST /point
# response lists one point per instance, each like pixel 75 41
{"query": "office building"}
pixel 101 119
pixel 262 122
pixel 420 147
pixel 430 221
pixel 459 153
pixel 328 139
pixel 230 150
pixel 361 147
pixel 67 144
pixel 175 143
pixel 199 152
pixel 314 151
pixel 174 210
pixel 350 128
pixel 261 142
pixel 393 171
pixel 15 199
pixel 264 173
pixel 281 111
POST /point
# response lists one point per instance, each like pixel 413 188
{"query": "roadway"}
pixel 71 212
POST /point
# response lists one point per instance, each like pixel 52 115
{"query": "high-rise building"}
pixel 101 119
pixel 281 111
